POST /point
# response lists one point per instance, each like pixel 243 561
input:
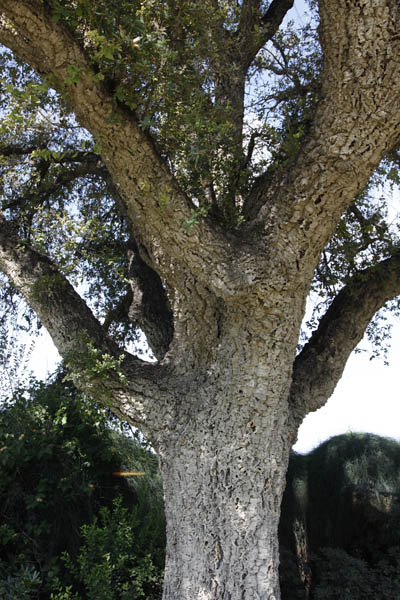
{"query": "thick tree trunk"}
pixel 224 475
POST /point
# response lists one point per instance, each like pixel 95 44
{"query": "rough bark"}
pixel 223 483
pixel 224 467
pixel 356 123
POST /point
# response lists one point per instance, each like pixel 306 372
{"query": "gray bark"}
pixel 223 484
pixel 224 472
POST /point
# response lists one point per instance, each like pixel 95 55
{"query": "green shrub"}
pixel 336 469
pixel 344 498
pixel 113 563
pixel 57 459
pixel 344 577
pixel 23 584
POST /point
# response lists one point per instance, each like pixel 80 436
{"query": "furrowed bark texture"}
pixel 223 406
pixel 223 483
pixel 224 467
pixel 356 123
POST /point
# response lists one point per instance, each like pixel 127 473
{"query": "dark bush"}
pixel 341 576
pixel 344 497
pixel 58 457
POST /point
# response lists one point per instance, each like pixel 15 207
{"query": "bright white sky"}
pixel 366 398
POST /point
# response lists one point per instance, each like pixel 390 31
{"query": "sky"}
pixel 366 399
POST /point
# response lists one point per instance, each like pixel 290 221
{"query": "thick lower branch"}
pixel 98 365
pixel 319 366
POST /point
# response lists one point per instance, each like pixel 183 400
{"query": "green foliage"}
pixel 93 364
pixel 15 345
pixel 318 485
pixel 57 457
pixel 172 66
pixel 344 577
pixel 113 563
pixel 56 191
pixel 362 459
pixel 23 584
pixel 70 530
pixel 158 60
pixel 195 217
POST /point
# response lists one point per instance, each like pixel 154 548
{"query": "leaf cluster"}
pixel 177 68
pixel 56 190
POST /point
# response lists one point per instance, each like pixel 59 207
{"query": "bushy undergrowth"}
pixel 340 523
pixel 341 576
pixel 115 562
pixel 69 526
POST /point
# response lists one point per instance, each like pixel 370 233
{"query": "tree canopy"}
pixel 222 97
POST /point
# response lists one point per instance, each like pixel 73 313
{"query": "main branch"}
pixel 356 123
pixel 157 207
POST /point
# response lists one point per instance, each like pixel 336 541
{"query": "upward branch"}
pixel 157 207
pixel 257 28
pixel 356 123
